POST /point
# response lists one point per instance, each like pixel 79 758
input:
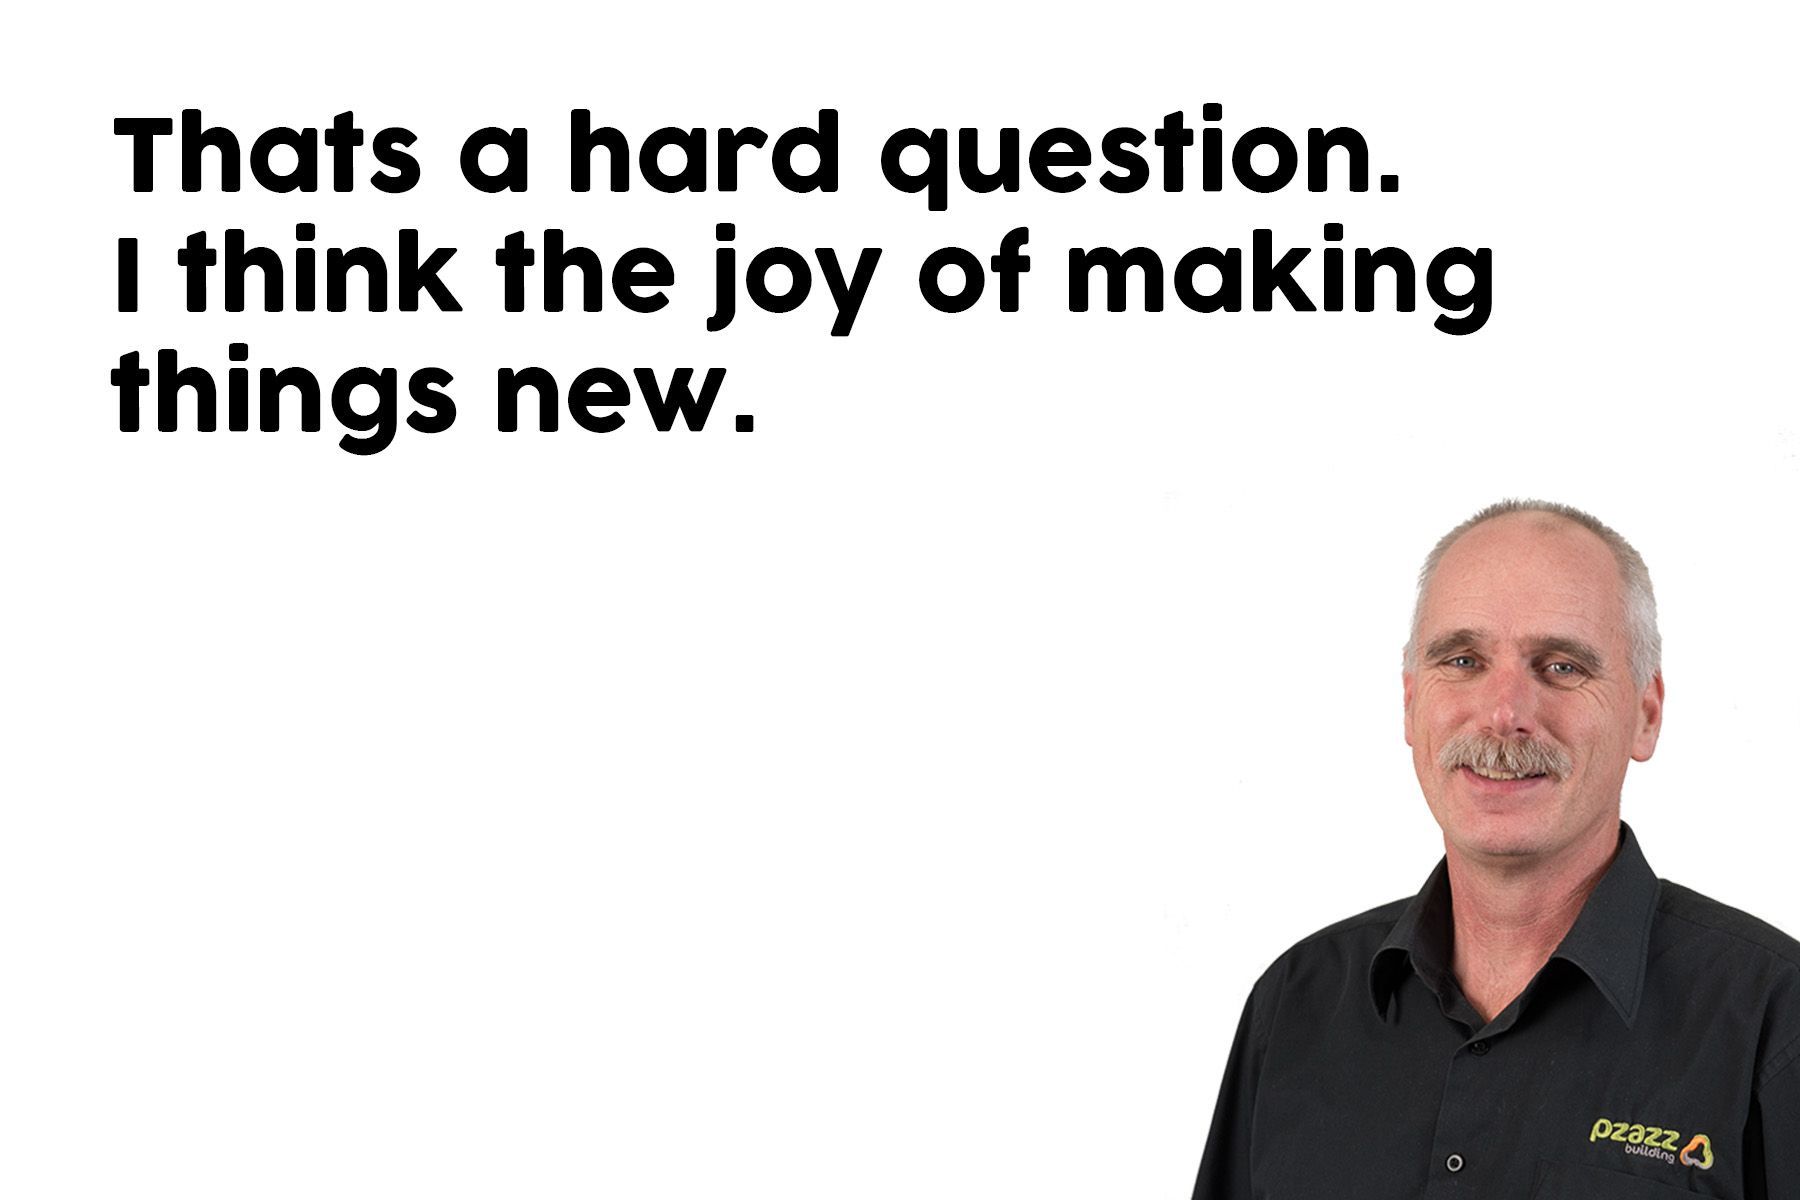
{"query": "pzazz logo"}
pixel 1697 1153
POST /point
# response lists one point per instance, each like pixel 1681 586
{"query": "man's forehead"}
pixel 1532 568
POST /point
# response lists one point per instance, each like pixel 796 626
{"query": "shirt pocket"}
pixel 1571 1181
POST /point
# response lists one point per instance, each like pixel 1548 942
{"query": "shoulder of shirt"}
pixel 1365 930
pixel 1776 954
pixel 1381 917
pixel 1685 904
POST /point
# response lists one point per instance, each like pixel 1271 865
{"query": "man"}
pixel 1545 1020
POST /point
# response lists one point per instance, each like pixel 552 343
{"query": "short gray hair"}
pixel 1641 634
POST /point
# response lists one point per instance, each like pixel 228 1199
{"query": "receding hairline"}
pixel 1536 519
pixel 1544 513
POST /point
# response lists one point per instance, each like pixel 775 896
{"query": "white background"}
pixel 899 800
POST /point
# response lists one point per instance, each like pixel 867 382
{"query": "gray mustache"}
pixel 1514 756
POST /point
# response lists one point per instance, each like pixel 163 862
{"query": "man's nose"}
pixel 1512 707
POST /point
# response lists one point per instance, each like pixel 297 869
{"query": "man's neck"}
pixel 1510 914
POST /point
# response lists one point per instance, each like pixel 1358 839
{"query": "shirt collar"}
pixel 1609 941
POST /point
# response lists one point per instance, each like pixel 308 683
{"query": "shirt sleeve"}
pixel 1225 1166
pixel 1774 1119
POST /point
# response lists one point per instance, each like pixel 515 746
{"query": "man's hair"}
pixel 1641 634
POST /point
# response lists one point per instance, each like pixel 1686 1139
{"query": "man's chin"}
pixel 1500 835
pixel 1501 848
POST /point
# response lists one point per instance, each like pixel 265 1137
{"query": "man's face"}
pixel 1523 669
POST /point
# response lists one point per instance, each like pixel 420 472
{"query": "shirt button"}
pixel 1478 1048
pixel 1454 1163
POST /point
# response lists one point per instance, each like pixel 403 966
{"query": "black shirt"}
pixel 1656 1055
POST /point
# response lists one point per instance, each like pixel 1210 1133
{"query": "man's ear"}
pixel 1406 695
pixel 1650 715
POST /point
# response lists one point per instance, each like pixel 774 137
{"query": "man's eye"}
pixel 1562 670
pixel 1462 662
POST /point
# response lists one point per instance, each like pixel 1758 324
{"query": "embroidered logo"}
pixel 1653 1141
